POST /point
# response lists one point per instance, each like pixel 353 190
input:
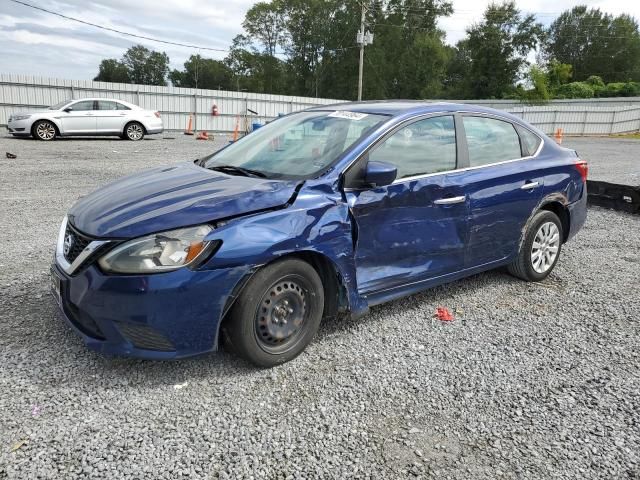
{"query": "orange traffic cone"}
pixel 237 129
pixel 203 135
pixel 189 129
pixel 558 136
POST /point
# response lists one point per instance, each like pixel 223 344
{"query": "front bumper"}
pixel 19 127
pixel 162 316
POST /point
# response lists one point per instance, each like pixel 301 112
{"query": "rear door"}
pixel 503 186
pixel 415 228
pixel 111 116
pixel 81 119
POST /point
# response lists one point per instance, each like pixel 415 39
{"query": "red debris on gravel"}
pixel 444 314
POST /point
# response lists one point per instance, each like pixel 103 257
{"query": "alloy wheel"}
pixel 545 247
pixel 134 131
pixel 45 131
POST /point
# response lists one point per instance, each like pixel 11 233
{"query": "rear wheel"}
pixel 44 130
pixel 134 131
pixel 540 249
pixel 277 314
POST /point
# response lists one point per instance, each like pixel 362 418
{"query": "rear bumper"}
pixel 577 213
pixel 164 316
pixel 153 125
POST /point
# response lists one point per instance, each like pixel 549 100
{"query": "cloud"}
pixel 77 49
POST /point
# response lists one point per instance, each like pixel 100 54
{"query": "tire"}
pixel 540 250
pixel 134 131
pixel 277 314
pixel 44 130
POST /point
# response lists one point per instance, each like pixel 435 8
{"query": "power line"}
pixel 102 27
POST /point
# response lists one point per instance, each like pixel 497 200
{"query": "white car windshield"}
pixel 297 146
pixel 59 105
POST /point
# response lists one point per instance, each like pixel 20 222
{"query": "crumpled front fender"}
pixel 318 222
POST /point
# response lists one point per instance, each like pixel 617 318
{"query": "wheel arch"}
pixel 51 120
pixel 129 122
pixel 336 294
pixel 562 211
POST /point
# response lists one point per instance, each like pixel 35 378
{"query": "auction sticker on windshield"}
pixel 347 115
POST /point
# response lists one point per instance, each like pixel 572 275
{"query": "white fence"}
pixel 19 93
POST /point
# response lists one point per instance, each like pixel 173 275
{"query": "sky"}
pixel 38 43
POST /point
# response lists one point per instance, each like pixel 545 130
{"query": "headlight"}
pixel 160 252
pixel 19 117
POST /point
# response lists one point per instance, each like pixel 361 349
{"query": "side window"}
pixel 104 105
pixel 82 106
pixel 530 141
pixel 120 106
pixel 490 140
pixel 425 146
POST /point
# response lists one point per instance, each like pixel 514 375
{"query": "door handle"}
pixel 530 185
pixel 450 200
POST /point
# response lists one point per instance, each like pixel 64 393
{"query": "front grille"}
pixel 74 243
pixel 145 337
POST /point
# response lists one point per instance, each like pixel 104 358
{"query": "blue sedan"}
pixel 333 209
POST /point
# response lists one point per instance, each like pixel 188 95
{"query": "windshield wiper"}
pixel 232 169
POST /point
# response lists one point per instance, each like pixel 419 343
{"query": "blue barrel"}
pixel 255 126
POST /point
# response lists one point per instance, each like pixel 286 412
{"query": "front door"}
pixel 81 119
pixel 503 186
pixel 415 228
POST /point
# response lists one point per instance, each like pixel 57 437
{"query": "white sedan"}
pixel 88 117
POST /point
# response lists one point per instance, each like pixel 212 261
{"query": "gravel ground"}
pixel 615 160
pixel 530 380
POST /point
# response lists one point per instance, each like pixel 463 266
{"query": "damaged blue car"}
pixel 328 210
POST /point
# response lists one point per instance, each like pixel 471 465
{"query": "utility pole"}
pixel 362 39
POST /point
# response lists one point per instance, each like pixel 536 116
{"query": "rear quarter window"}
pixel 530 141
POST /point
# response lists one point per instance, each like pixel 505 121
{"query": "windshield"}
pixel 59 105
pixel 297 146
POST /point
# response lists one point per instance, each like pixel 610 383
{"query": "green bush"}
pixel 595 81
pixel 575 90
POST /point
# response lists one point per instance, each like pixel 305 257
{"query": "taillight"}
pixel 157 114
pixel 583 169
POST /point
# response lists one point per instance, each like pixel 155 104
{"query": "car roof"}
pixel 103 99
pixel 401 107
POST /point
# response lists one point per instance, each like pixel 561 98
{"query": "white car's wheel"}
pixel 134 131
pixel 44 130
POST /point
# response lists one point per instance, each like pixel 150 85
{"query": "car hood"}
pixel 35 112
pixel 174 197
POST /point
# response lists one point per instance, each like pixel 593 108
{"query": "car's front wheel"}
pixel 540 250
pixel 44 130
pixel 134 131
pixel 277 314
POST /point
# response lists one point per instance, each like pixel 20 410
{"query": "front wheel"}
pixel 277 314
pixel 44 130
pixel 540 249
pixel 134 131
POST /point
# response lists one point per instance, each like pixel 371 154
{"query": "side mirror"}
pixel 68 109
pixel 379 174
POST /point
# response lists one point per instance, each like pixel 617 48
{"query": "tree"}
pixel 265 22
pixel 146 67
pixel 203 73
pixel 595 43
pixel 111 70
pixel 255 71
pixel 138 65
pixel 496 49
